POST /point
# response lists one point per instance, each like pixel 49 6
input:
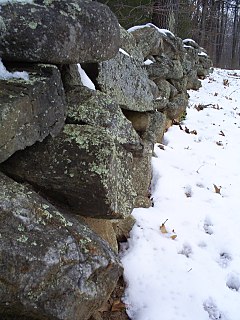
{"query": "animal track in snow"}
pixel 208 226
pixel 233 281
pixel 224 259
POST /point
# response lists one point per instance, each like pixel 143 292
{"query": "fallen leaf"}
pixel 163 228
pixel 216 94
pixel 217 189
pixel 222 133
pixel 174 236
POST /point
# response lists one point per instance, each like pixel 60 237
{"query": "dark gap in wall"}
pixel 91 70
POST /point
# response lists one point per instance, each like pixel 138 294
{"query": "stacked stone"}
pixel 52 265
pixel 80 157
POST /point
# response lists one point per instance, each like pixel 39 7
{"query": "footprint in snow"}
pixel 213 311
pixel 224 259
pixel 208 226
pixel 233 281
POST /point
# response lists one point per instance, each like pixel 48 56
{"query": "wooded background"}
pixel 213 24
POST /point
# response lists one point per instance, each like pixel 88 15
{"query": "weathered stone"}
pixel 142 173
pixel 165 68
pixel 128 44
pixel 83 167
pixel 97 109
pixel 104 229
pixel 59 32
pixel 52 266
pixel 156 127
pixel 30 110
pixel 149 125
pixel 125 79
pixel 148 40
pixel 153 41
pixel 177 106
pixel 123 227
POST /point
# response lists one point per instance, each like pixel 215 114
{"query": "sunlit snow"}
pixel 196 186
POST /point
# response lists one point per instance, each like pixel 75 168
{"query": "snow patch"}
pixel 6 75
pixel 86 81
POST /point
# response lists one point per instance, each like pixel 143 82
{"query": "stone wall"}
pixel 75 158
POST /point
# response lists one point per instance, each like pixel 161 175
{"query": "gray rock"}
pixel 142 175
pixel 96 109
pixel 30 110
pixel 153 42
pixel 58 32
pixel 83 168
pixel 125 79
pixel 52 265
pixel 165 68
pixel 177 106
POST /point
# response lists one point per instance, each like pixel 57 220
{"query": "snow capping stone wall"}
pixel 76 141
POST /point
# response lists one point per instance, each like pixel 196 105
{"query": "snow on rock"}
pixel 6 75
pixel 165 32
pixel 195 185
pixel 202 54
pixel 148 62
pixel 124 52
pixel 86 81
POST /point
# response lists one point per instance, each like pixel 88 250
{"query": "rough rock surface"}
pixel 82 167
pixel 98 109
pixel 125 79
pixel 58 32
pixel 30 110
pixel 52 266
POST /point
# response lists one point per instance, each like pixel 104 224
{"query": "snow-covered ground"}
pixel 196 186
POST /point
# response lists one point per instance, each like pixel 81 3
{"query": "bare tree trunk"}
pixel 165 14
pixel 235 39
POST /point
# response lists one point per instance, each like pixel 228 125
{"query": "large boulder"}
pixel 83 167
pixel 30 110
pixel 52 266
pixel 58 32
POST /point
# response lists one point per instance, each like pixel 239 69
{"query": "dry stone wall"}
pixel 76 159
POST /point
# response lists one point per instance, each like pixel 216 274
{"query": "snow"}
pixel 195 185
pixel 6 75
pixel 86 81
pixel 165 32
pixel 124 52
pixel 189 40
pixel 148 62
pixel 202 54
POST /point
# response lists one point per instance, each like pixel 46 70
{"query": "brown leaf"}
pixel 118 305
pixel 174 236
pixel 217 189
pixel 163 228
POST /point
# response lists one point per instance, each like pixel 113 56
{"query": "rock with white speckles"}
pixel 83 168
pixel 58 32
pixel 30 110
pixel 52 265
